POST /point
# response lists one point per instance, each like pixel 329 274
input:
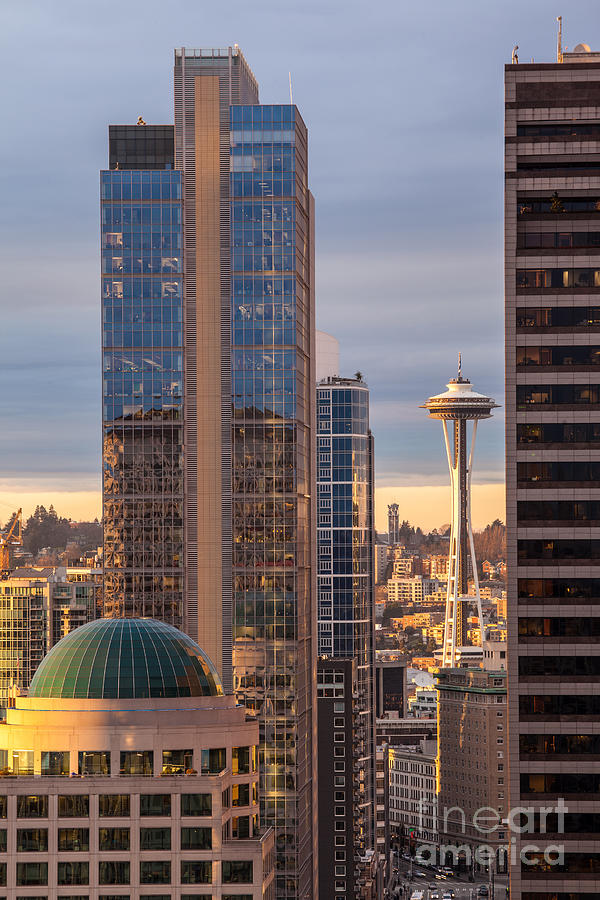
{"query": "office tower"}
pixel 393 524
pixel 209 406
pixel 553 466
pixel 459 405
pixel 472 788
pixel 134 772
pixel 345 575
pixel 39 606
pixel 347 867
pixel 142 347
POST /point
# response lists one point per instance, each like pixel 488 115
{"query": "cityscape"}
pixel 249 667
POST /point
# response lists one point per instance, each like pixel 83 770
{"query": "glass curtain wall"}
pixel 270 254
pixel 142 393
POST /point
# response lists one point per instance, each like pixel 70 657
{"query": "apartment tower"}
pixel 346 619
pixel 553 466
pixel 209 393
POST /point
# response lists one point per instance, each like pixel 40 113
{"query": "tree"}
pixel 46 529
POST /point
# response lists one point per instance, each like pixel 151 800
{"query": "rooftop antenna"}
pixel 559 50
pixel 459 366
pixel 291 98
pixel 515 55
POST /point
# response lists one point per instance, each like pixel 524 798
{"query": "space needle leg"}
pixel 470 532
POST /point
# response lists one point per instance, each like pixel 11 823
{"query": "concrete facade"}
pixel 552 266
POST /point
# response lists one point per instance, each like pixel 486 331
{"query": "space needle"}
pixel 459 404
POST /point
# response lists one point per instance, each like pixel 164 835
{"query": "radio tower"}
pixel 457 405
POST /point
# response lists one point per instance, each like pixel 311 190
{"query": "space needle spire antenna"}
pixel 455 408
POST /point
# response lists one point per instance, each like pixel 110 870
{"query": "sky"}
pixel 403 103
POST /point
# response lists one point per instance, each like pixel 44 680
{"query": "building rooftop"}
pixel 126 658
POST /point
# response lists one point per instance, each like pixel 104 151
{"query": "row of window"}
pixel 558 278
pixel 559 705
pixel 33 874
pixel 572 627
pixel 35 840
pixel 559 433
pixel 35 806
pixel 557 356
pixel 561 548
pixel 557 240
pixel 560 783
pixel 565 395
pixel 562 129
pixel 132 762
pixel 559 588
pixel 540 472
pixel 567 666
pixel 559 744
pixel 558 510
pixel 555 204
pixel 561 317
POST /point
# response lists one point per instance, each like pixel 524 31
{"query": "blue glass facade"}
pixel 271 320
pixel 345 533
pixel 142 393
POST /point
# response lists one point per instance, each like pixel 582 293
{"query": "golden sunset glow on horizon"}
pixel 429 506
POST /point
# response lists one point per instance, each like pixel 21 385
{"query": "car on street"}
pixel 482 890
pixel 447 895
pixel 434 895
pixel 421 874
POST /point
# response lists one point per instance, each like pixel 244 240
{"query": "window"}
pixel 3 873
pixel 94 762
pixel 213 761
pixel 32 806
pixel 340 796
pixel 3 807
pixel 155 838
pixel 225 897
pixel 112 872
pixel 73 839
pixel 240 827
pixel 153 897
pixel 340 870
pixel 196 872
pixel 113 839
pixel 155 804
pixel 56 763
pixel 240 794
pixel 177 762
pixel 225 798
pixel 137 762
pixel 236 871
pixel 340 840
pixel 196 838
pixel 114 805
pixel 73 873
pixel 73 806
pixel 32 873
pixel 155 872
pixel 199 804
pixel 339 810
pixel 16 762
pixel 3 840
pixel 240 760
pixel 32 840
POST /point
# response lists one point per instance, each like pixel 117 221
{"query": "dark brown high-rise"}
pixel 553 466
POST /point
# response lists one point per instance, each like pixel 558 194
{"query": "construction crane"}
pixel 10 537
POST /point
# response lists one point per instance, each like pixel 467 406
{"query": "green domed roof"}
pixel 126 658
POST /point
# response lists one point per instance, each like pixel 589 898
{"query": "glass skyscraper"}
pixel 345 567
pixel 209 403
pixel 142 349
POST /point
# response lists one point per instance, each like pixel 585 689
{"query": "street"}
pixel 433 888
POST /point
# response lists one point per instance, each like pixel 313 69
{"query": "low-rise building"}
pixel 39 606
pixel 473 761
pixel 412 772
pixel 131 774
